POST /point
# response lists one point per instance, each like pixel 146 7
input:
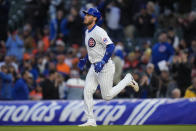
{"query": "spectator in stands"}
pixel 113 15
pixel 49 90
pixel 29 42
pixel 191 91
pixel 137 77
pixel 61 66
pixel 81 54
pixel 60 47
pixel 75 27
pixel 14 73
pixel 8 61
pixel 173 92
pixel 164 82
pixel 193 65
pixel 162 51
pixel 182 45
pixel 145 23
pixel 31 83
pixel 15 45
pixel 133 61
pixel 70 56
pixel 58 27
pixel 21 90
pixel 127 12
pixel 28 65
pixel 150 8
pixel 61 84
pixel 192 49
pixel 75 86
pixel 167 19
pixel 41 64
pixel 50 66
pixel 39 51
pixel 2 50
pixel 146 56
pixel 149 82
pixel 37 35
pixel 36 94
pixel 118 60
pixel 6 83
pixel 40 13
pixel 36 12
pixel 181 70
pixel 189 26
pixel 173 39
pixel 46 37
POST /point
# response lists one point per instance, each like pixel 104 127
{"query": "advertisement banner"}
pixel 114 112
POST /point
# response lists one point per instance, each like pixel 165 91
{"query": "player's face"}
pixel 89 19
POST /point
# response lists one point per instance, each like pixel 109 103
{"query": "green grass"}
pixel 101 128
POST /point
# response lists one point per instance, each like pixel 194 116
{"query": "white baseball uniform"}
pixel 96 41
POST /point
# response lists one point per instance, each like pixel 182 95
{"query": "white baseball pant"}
pixel 105 80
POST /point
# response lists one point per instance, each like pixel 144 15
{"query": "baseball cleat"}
pixel 88 123
pixel 133 83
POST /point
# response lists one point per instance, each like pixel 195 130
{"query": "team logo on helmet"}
pixel 91 42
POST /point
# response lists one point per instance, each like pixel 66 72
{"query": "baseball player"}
pixel 99 47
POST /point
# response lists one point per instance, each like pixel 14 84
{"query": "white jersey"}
pixel 96 41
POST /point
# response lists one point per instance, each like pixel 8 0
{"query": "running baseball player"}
pixel 100 48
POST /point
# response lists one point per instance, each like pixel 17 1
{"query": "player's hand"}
pixel 82 63
pixel 99 66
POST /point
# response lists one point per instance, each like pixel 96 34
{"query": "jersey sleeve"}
pixel 104 38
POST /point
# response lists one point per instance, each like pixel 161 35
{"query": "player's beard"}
pixel 89 22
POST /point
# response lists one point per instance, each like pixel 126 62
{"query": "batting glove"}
pixel 99 66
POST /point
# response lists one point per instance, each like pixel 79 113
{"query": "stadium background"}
pixel 41 42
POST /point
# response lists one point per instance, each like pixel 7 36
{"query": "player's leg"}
pixel 90 87
pixel 105 79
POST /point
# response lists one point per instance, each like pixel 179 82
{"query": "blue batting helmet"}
pixel 94 12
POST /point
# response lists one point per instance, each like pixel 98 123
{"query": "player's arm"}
pixel 108 54
pixel 105 40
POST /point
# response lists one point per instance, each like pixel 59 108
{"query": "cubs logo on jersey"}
pixel 91 42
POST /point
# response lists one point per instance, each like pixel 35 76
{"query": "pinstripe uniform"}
pixel 96 41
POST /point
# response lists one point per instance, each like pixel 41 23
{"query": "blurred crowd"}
pixel 155 40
